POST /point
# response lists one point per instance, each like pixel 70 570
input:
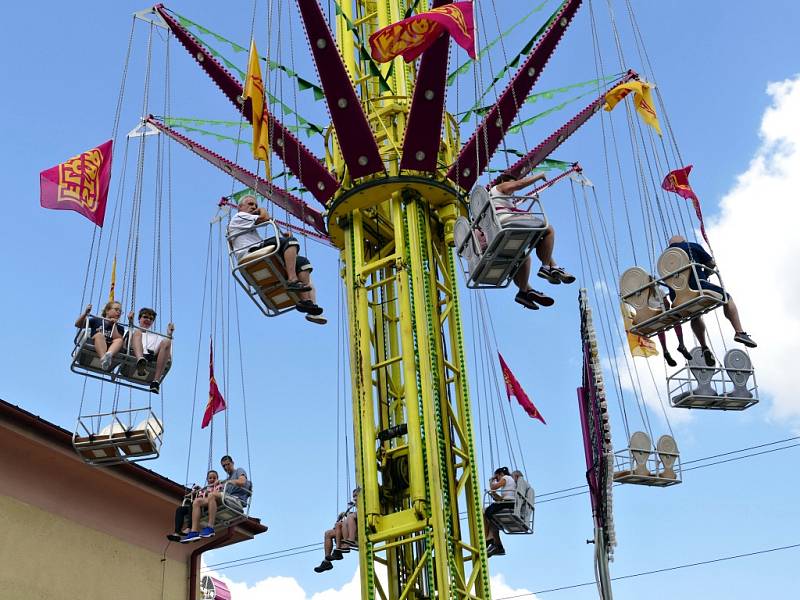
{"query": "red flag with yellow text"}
pixel 677 181
pixel 513 388
pixel 79 184
pixel 216 402
pixel 412 36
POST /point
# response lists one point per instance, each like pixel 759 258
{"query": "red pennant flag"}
pixel 513 388
pixel 79 184
pixel 216 402
pixel 677 181
pixel 412 36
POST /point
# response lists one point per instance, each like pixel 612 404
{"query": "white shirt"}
pixel 501 200
pixel 243 223
pixel 509 488
pixel 150 341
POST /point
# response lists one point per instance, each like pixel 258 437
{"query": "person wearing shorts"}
pixel 105 331
pixel 698 255
pixel 245 239
pixel 150 347
pixel 528 297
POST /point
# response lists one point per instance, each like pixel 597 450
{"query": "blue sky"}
pixel 713 62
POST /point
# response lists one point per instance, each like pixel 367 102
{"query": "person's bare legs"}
pixel 544 249
pixel 731 313
pixel 290 262
pixel 351 528
pixel 136 344
pixel 328 542
pixel 522 275
pixel 212 509
pixel 339 533
pixel 197 508
pixel 99 341
pixel 162 355
pixel 305 277
pixel 699 330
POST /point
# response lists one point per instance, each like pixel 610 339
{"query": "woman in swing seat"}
pixel 105 331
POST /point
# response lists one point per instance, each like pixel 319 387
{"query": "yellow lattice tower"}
pixel 415 453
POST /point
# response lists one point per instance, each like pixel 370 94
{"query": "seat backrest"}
pixel 738 365
pixel 674 268
pixel 478 198
pixel 634 279
pixel 697 365
pixel 524 499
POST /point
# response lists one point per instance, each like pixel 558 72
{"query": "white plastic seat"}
pixel 123 365
pixel 231 509
pixel 262 274
pixel 499 239
pixel 724 387
pixel 115 442
pixel 643 292
pixel 641 464
pixel 516 517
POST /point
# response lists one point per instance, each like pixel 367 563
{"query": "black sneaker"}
pixel 495 551
pixel 670 361
pixel 549 274
pixel 308 307
pixel 297 286
pixel 141 367
pixel 708 356
pixel 562 275
pixel 318 319
pixel 682 349
pixel 335 555
pixel 540 297
pixel 325 565
pixel 522 298
pixel 154 387
pixel 745 339
pixel 174 537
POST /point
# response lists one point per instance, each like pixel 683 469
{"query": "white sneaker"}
pixel 105 362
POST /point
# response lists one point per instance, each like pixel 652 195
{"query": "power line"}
pixel 655 571
pixel 583 489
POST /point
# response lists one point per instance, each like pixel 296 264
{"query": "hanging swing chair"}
pixel 731 386
pixel 498 237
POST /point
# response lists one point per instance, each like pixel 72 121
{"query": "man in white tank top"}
pixel 503 489
pixel 501 195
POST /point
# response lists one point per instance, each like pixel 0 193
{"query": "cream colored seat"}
pixel 638 289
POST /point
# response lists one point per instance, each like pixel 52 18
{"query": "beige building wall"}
pixel 47 557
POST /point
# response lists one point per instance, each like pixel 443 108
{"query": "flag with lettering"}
pixel 642 100
pixel 677 182
pixel 79 184
pixel 216 403
pixel 513 388
pixel 410 37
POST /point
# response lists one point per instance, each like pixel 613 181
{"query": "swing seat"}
pixel 262 275
pixel 230 511
pixel 86 361
pixel 675 270
pixel 128 371
pixel 516 517
pixel 499 237
pixel 115 442
pixel 714 388
pixel 642 464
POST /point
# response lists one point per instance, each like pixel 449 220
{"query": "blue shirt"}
pixel 697 254
pixel 239 492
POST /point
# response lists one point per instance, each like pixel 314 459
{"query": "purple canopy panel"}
pixel 469 166
pixel 294 205
pixel 524 165
pixel 424 129
pixel 221 591
pixel 297 158
pixel 358 145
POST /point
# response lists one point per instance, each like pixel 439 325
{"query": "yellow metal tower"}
pixel 420 514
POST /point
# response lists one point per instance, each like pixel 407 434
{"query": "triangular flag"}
pixel 513 388
pixel 216 402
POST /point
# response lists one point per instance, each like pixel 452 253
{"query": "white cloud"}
pixel 288 588
pixel 757 244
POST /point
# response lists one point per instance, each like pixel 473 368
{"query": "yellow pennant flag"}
pixel 638 344
pixel 642 101
pixel 113 280
pixel 254 90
